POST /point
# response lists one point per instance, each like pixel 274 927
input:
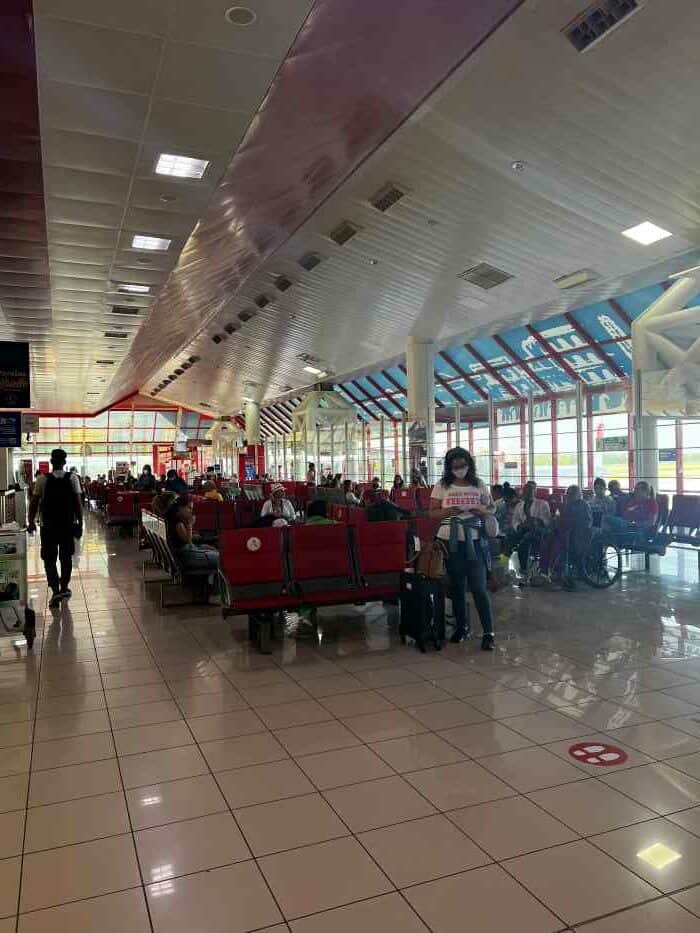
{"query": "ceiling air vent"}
pixel 104 362
pixel 598 20
pixel 217 338
pixel 386 197
pixel 343 232
pixel 179 372
pixel 310 261
pixel 574 279
pixel 185 365
pixel 194 359
pixel 262 301
pixel 231 328
pixel 282 283
pixel 122 309
pixel 485 276
pixel 116 334
pixel 246 315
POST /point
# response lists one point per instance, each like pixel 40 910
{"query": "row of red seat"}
pixel 311 565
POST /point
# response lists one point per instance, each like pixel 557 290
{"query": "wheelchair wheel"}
pixel 602 565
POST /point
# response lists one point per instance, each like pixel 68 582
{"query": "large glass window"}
pixel 690 432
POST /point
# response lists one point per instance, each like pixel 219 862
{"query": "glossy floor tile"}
pixel 156 774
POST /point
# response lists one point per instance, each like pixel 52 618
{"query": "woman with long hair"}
pixel 460 493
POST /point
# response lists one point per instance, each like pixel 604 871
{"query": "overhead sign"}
pixel 10 429
pixel 14 375
pixel 668 455
pixel 606 444
pixel 30 423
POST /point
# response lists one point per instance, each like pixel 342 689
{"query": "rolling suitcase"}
pixel 422 611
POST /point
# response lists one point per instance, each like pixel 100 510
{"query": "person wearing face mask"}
pixel 460 493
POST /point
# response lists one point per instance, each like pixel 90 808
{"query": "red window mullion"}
pixel 523 444
pixel 555 444
pixel 679 456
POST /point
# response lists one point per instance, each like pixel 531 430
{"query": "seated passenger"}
pixel 370 496
pixel 505 509
pixel 601 505
pixel 209 491
pixel 147 481
pixel 335 483
pixel 317 513
pixel 351 498
pixel 572 534
pixel 417 478
pixel 162 502
pixel 497 493
pixel 531 517
pixel 278 506
pixel 311 474
pixel 641 508
pixel 618 496
pixel 175 483
pixel 396 486
pixel 190 557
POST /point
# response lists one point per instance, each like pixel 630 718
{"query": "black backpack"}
pixel 58 503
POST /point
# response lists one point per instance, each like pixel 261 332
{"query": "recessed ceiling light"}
pixel 143 241
pixel 518 166
pixel 374 262
pixel 180 166
pixel 659 855
pixel 646 233
pixel 134 289
pixel 240 16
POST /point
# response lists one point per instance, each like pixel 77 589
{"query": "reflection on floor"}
pixel 154 774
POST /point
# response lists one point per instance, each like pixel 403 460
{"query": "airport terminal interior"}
pixel 349 466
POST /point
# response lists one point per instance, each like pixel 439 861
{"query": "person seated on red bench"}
pixel 417 478
pixel 573 531
pixel 147 481
pixel 278 506
pixel 176 484
pixel 317 513
pixel 639 514
pixel 351 497
pixel 601 505
pixel 530 518
pixel 162 502
pixel 618 496
pixel 371 495
pixel 191 557
pixel 209 491
pixel 396 486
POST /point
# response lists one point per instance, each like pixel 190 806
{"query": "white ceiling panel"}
pixel 60 182
pixel 90 110
pixel 88 152
pixel 179 127
pixel 80 235
pixel 75 53
pixel 215 78
pixel 139 16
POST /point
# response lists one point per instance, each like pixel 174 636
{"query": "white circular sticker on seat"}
pixel 253 544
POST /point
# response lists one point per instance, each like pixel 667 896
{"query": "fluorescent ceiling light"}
pixel 246 398
pixel 133 289
pixel 142 241
pixel 659 855
pixel 314 371
pixel 180 166
pixel 646 233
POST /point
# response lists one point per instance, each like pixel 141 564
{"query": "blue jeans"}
pixel 469 574
pixel 198 558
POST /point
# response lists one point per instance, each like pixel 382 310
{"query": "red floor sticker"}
pixel 593 753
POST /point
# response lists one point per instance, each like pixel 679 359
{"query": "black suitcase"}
pixel 422 611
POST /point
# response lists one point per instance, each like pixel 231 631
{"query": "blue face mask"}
pixel 460 472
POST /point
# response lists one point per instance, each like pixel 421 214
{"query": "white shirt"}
pixel 464 498
pixel 539 509
pixel 287 510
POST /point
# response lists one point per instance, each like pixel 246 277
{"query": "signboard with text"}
pixel 10 429
pixel 14 375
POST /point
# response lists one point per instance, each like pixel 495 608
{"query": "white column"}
pixel 580 401
pixel 530 436
pixel 646 445
pixel 421 401
pixel 6 471
pixel 252 422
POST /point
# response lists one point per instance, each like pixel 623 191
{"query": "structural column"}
pixel 6 467
pixel 252 422
pixel 421 403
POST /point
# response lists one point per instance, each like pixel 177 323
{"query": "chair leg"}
pixel 264 635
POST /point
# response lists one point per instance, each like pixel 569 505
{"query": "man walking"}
pixel 59 496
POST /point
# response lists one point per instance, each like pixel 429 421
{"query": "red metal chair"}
pixel 381 557
pixel 122 508
pixel 320 564
pixel 423 498
pixel 405 498
pixel 254 569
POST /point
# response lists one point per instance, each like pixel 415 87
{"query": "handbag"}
pixel 431 560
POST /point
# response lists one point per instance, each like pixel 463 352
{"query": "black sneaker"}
pixel 55 601
pixel 487 643
pixel 65 593
pixel 458 637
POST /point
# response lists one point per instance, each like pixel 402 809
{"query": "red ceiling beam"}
pixel 403 369
pixel 526 368
pixel 358 401
pixel 384 394
pixel 555 354
pixel 620 311
pixel 464 375
pixel 494 373
pixel 597 349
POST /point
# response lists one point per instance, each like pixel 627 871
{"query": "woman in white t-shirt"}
pixel 461 492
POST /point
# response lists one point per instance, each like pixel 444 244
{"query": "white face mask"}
pixel 460 472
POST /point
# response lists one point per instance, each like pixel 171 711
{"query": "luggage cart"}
pixel 16 615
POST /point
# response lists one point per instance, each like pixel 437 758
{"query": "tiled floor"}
pixel 156 775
